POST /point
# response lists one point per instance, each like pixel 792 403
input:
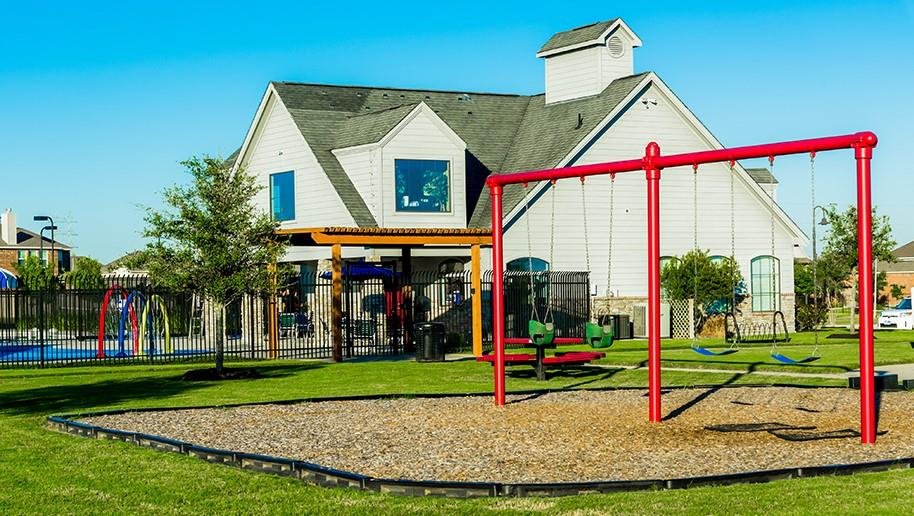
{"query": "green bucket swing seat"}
pixel 541 334
pixel 598 336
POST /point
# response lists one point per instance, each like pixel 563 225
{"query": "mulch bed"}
pixel 556 437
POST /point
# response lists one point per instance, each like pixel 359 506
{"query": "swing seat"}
pixel 541 334
pixel 599 337
pixel 787 360
pixel 711 353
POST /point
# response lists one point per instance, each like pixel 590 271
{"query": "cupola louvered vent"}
pixel 616 46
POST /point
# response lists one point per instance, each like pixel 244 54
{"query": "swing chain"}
pixel 586 237
pixel 527 224
pixel 695 253
pixel 553 186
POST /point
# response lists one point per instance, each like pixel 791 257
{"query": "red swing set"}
pixel 653 164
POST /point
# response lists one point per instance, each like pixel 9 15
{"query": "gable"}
pixel 680 131
pixel 278 146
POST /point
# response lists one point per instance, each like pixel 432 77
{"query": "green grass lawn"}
pixel 48 472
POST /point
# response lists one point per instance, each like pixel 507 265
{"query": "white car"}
pixel 901 317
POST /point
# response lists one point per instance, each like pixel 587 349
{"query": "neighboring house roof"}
pixel 904 256
pixel 762 176
pixel 26 239
pixel 905 251
pixel 577 35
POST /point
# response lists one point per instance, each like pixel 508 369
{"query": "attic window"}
pixel 616 46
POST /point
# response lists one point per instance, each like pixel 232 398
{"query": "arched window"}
pixel 527 264
pixel 718 259
pixel 664 260
pixel 766 284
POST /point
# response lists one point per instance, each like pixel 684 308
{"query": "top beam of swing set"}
pixel 652 163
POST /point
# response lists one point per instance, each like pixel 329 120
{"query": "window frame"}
pixel 450 188
pixel 290 173
pixel 773 303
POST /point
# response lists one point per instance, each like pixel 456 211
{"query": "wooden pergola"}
pixel 404 239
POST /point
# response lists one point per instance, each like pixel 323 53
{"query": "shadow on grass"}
pixel 753 366
pixel 145 385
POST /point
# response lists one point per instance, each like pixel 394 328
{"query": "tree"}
pixel 842 236
pixel 211 239
pixel 135 261
pixel 712 283
pixel 841 242
pixel 35 274
pixel 86 274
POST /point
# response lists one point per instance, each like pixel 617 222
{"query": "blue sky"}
pixel 99 104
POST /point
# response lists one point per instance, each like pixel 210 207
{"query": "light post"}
pixel 52 227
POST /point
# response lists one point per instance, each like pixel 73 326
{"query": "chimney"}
pixel 8 230
pixel 581 62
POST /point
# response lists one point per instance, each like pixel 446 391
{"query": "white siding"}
pixel 278 146
pixel 586 71
pixel 612 68
pixel 574 74
pixel 624 140
pixel 423 137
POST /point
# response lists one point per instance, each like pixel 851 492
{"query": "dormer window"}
pixel 423 185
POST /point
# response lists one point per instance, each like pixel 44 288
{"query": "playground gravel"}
pixel 555 437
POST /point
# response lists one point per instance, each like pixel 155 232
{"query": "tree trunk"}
pixel 219 334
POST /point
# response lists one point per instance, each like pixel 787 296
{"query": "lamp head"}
pixel 41 218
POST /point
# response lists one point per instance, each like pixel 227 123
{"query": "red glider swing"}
pixel 653 164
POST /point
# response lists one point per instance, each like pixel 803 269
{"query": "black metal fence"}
pixel 129 321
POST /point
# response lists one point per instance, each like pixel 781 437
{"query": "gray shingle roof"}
pixel 26 239
pixel 762 176
pixel 506 133
pixel 333 117
pixel 577 35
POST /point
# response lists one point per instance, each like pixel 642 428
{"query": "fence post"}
pixel 41 324
pixel 476 299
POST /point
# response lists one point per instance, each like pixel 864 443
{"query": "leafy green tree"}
pixel 86 274
pixel 841 243
pixel 212 240
pixel 695 275
pixel 35 274
pixel 841 240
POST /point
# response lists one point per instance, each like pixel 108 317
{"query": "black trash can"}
pixel 622 327
pixel 430 342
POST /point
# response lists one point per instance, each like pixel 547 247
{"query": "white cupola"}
pixel 583 61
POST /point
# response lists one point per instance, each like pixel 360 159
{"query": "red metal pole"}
pixel 498 295
pixel 653 279
pixel 864 154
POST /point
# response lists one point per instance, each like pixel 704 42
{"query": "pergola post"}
pixel 476 298
pixel 406 288
pixel 336 305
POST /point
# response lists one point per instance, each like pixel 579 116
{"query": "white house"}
pixel 385 157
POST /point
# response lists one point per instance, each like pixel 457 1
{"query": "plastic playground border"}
pixel 330 477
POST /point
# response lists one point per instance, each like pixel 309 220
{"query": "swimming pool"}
pixel 32 352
